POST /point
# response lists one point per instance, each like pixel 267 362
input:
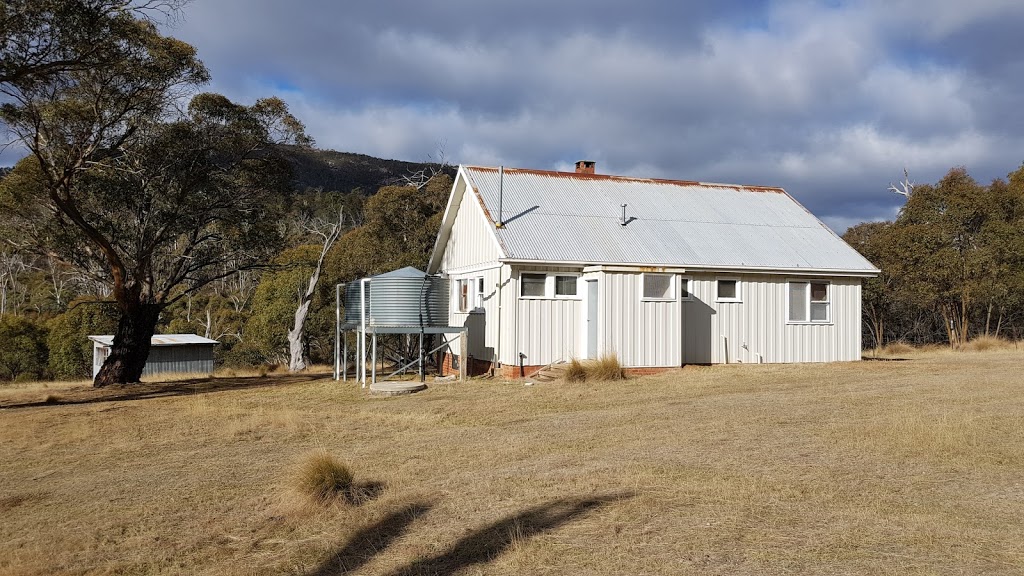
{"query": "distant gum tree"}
pixel 122 180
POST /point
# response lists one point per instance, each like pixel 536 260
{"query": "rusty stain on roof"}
pixel 586 176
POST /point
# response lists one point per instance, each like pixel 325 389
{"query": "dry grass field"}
pixel 878 467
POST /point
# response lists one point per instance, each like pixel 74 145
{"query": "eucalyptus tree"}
pixel 874 241
pixel 122 180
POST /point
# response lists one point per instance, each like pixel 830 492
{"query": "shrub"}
pixel 575 372
pixel 23 351
pixel 323 478
pixel 70 347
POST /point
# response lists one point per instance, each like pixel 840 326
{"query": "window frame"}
pixel 554 286
pixel 550 285
pixel 478 287
pixel 739 290
pixel 462 295
pixel 687 282
pixel 671 287
pixel 522 284
pixel 809 301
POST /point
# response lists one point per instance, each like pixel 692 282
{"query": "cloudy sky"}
pixel 829 99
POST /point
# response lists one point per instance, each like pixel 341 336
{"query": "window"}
pixel 462 294
pixel 532 285
pixel 565 286
pixel 658 287
pixel 809 302
pixel 536 285
pixel 684 290
pixel 479 292
pixel 728 290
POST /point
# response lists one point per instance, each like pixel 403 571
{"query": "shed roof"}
pixel 161 340
pixel 572 217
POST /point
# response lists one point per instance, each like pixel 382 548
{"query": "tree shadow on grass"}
pixel 489 542
pixel 368 542
pixel 148 390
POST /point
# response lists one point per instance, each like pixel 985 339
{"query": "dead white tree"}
pixel 432 167
pixel 12 291
pixel 328 231
pixel 906 188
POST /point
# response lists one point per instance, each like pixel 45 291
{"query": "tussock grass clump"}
pixel 323 478
pixel 605 368
pixel 575 372
pixel 894 348
pixel 982 343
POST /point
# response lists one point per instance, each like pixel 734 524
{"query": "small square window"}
pixel 728 290
pixel 565 285
pixel 532 285
pixel 658 287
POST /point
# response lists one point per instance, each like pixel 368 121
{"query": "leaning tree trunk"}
pixel 297 359
pixel 130 350
pixel 296 347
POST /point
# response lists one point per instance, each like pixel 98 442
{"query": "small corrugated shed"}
pixel 168 353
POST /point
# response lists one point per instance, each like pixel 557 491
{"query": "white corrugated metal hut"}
pixel 186 353
pixel 686 273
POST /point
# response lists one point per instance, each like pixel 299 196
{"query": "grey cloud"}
pixel 829 101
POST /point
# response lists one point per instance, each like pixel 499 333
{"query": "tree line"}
pixel 951 262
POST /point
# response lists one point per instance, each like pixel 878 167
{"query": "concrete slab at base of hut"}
pixel 396 388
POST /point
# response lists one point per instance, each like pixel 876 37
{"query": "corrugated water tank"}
pixel 399 298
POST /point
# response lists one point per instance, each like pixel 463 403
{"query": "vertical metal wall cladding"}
pixel 398 301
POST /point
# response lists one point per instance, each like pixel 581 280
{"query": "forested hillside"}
pixel 346 171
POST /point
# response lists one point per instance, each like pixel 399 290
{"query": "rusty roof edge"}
pixel 582 176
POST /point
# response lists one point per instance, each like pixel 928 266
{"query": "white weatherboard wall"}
pixel 640 333
pixel 471 243
pixel 472 252
pixel 546 330
pixel 485 315
pixel 760 322
pixel 699 330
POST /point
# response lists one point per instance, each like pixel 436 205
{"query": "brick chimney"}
pixel 585 167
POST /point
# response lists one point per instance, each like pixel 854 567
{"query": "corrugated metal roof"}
pixel 160 340
pixel 570 217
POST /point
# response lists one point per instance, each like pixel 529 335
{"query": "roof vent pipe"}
pixel 501 192
pixel 623 221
